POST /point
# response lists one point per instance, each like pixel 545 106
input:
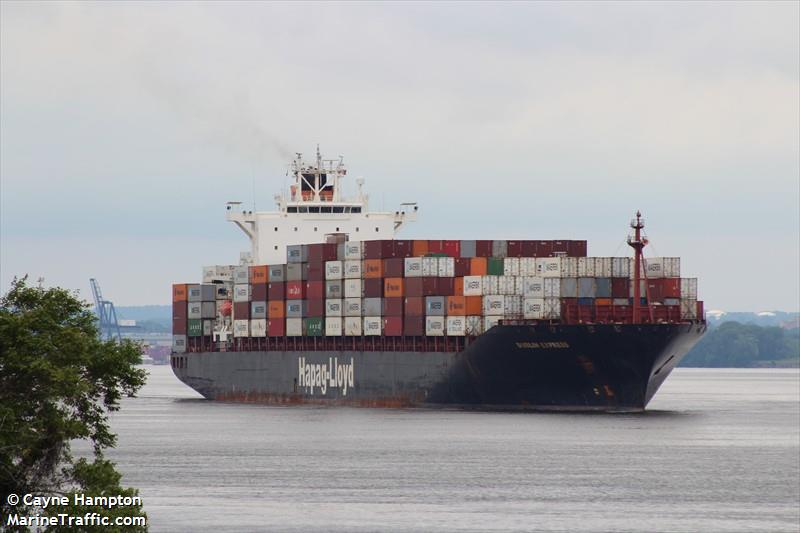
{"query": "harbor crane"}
pixel 109 327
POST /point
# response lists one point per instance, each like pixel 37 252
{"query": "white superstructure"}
pixel 313 208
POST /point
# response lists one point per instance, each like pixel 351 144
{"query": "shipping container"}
pixel 296 272
pixel 434 326
pixel 208 310
pixel 241 293
pixel 473 305
pixel 533 287
pixel 472 286
pixel 467 249
pixel 313 326
pixel 506 285
pixel 412 267
pixel 586 267
pixel 208 292
pixel 277 273
pixel 552 287
pixel 352 326
pixel 333 289
pixel 544 248
pixel 333 270
pixel 294 327
pixel 372 306
pixel 527 266
pixel 587 287
pixel 296 253
pixel 512 306
pixel 372 269
pixel 577 248
pixel 179 343
pixel 217 273
pixel 241 310
pixel 241 275
pixel 295 290
pixel 603 288
pixel 373 325
pixel 393 326
pixel 276 290
pixel 352 269
pixel 491 321
pixel 414 306
pixel 430 266
pixel 353 288
pixel 548 267
pixel 435 305
pixel 393 287
pixel 569 288
pixel 180 325
pixel 446 267
pixel 194 293
pixel 419 248
pixel 403 249
pixel 295 308
pixel 461 267
pixel 276 327
pixel 689 309
pixel 621 301
pixel 513 249
pixel 455 305
pixel 414 325
pixel 413 286
pixel 352 307
pixel 511 265
pixel 333 307
pixel 499 249
pixel 195 310
pixel 456 326
pixel 315 290
pixel 430 286
pixel 241 328
pixel 473 325
pixel 689 289
pixel 394 267
pixel 493 305
pixel 373 288
pixel 258 327
pixel 276 309
pixel 494 266
pixel 490 285
pixel 195 328
pixel 393 306
pixel 478 266
pixel 208 327
pixel 552 308
pixel 333 326
pixel 179 292
pixel 620 267
pixel 315 308
pixel 316 271
pixel 533 308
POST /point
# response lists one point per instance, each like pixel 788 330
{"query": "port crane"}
pixel 106 314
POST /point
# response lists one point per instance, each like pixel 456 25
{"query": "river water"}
pixel 718 450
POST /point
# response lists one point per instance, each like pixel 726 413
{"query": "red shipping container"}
pixel 623 313
pixel 428 286
pixel 403 248
pixel 377 249
pixel 452 248
pixel 394 267
pixel 179 311
pixel 544 248
pixel 276 290
pixel 276 327
pixel 414 306
pixel 316 271
pixel 393 287
pixel 419 248
pixel 462 266
pixel 445 286
pixel 259 292
pixel 393 306
pixel 315 308
pixel 560 247
pixel 620 287
pixel 414 326
pixel 671 287
pixel 179 326
pixel 577 249
pixel 315 253
pixel 393 326
pixel 413 286
pixel 241 310
pixel 373 287
pixel 456 305
pixel 528 248
pixel 604 313
pixel 315 290
pixel 514 249
pixel 655 290
pixel 295 290
pixel 330 251
pixel 700 311
pixel 435 247
pixel 483 248
pixel 458 289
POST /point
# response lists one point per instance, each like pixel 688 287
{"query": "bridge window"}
pixel 356 210
pixel 291 209
pixel 376 228
pixel 315 228
pixel 356 228
pixel 276 228
pixel 338 209
pixel 326 209
pixel 303 209
pixel 313 209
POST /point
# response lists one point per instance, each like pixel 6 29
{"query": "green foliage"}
pixel 58 381
pixel 744 345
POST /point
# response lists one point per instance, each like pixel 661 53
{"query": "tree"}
pixel 58 381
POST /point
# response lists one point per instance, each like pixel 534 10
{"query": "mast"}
pixel 637 242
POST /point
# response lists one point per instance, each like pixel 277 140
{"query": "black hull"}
pixel 542 367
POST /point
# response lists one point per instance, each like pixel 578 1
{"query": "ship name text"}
pixel 333 375
pixel 542 345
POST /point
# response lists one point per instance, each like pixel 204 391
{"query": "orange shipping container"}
pixel 477 266
pixel 179 292
pixel 259 274
pixel 373 268
pixel 420 248
pixel 456 305
pixel 458 287
pixel 473 305
pixel 602 301
pixel 276 309
pixel 392 287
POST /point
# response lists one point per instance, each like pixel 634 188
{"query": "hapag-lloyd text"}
pixel 322 376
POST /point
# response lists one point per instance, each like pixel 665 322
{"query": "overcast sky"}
pixel 124 128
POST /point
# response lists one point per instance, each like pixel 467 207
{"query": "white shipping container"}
pixel 654 267
pixel 294 327
pixel 490 285
pixel 333 270
pixel 241 328
pixel 352 326
pixel 352 250
pixel 352 307
pixel 533 308
pixel 413 267
pixel 472 286
pixel 689 309
pixel 603 267
pixel 373 325
pixel 241 293
pixel 548 267
pixel 620 267
pixel 352 269
pixel 552 308
pixel 689 288
pixel 456 326
pixel 218 273
pixel 586 267
pixel 208 327
pixel 473 325
pixel 533 286
pixel 179 343
pixel 430 266
pixel 194 293
pixel 241 274
pixel 672 267
pixel 333 307
pixel 506 285
pixel 434 326
pixel 258 327
pixel 352 288
pixel 194 310
pixel 491 321
pixel 511 266
pixel 552 287
pixel 569 267
pixel 519 286
pixel 446 266
pixel 512 306
pixel 493 305
pixel 333 326
pixel 527 266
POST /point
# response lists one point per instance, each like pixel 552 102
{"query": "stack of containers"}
pixel 426 288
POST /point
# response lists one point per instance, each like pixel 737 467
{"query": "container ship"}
pixel 329 307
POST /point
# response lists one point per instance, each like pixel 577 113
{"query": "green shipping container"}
pixel 195 328
pixel 313 327
pixel 495 266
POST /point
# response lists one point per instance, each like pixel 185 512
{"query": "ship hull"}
pixel 511 367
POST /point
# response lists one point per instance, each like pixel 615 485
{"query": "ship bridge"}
pixel 313 207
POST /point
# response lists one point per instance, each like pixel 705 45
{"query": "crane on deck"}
pixel 109 327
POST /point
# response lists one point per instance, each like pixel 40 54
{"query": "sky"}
pixel 125 127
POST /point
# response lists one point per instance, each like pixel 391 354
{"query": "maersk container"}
pixel 194 293
pixel 313 327
pixel 295 308
pixel 569 288
pixel 468 249
pixel 241 328
pixel 689 309
pixel 194 310
pixel 179 343
pixel 296 271
pixel 533 308
pixel 294 327
pixel 491 321
pixel 507 285
pixel 689 288
pixel 352 307
pixel 512 306
pixel 352 326
pixel 208 310
pixel 352 269
pixel 548 267
pixel 603 288
pixel 527 266
pixel 412 267
pixel 195 328
pixel 569 267
pixel 333 289
pixel 473 325
pixel 435 305
pixel 434 326
pixel 241 274
pixel 499 249
pixel 333 307
pixel 494 265
pixel 373 325
pixel 372 307
pixel 533 287
pixel 352 250
pixel 456 326
pixel 446 267
pixel 587 287
pixel 430 266
pixel 297 253
pixel 333 326
pixel 333 270
pixel 277 273
pixel 552 308
pixel 511 266
pixel 620 267
pixel 353 288
pixel 493 305
pixel 258 310
pixel 258 327
pixel 472 286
